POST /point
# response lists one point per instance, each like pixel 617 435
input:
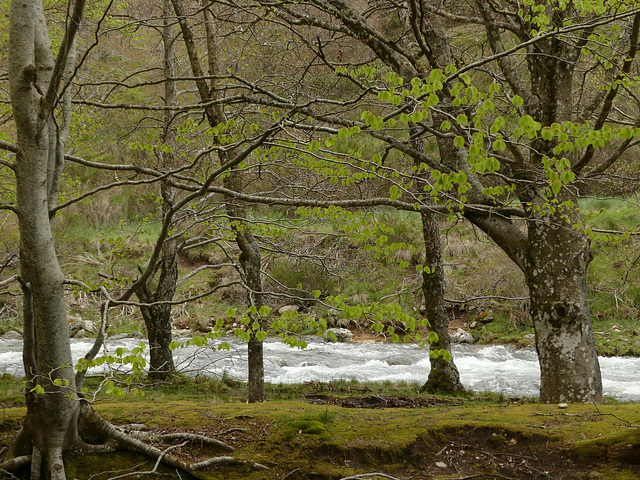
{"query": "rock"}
pixel 473 325
pixel 398 360
pixel 288 308
pixel 441 465
pixel 11 335
pixel 342 335
pixel 462 336
pixel 76 324
pixel 563 405
pixel 484 317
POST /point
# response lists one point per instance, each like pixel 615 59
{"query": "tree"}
pixel 157 309
pixel 36 80
pixel 516 129
pixel 58 417
pixel 250 259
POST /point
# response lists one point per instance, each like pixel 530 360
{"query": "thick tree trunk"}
pixel 555 269
pixel 157 318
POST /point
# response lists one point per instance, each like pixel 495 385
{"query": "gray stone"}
pixel 398 360
pixel 11 335
pixel 288 308
pixel 76 324
pixel 462 336
pixel 119 336
pixel 342 335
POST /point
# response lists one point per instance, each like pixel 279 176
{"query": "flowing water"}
pixel 494 368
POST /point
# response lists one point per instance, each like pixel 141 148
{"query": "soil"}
pixel 481 453
pixel 452 451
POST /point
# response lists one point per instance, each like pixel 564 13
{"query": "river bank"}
pixel 440 438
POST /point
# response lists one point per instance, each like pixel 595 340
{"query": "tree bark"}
pixel 443 376
pixel 250 259
pixel 157 318
pixel 51 415
pixel 555 269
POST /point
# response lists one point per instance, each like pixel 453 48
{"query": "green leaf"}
pixel 458 141
pixel 517 101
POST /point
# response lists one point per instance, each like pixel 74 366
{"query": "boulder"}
pixel 288 308
pixel 76 324
pixel 11 335
pixel 342 335
pixel 462 336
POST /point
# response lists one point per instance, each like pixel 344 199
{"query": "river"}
pixel 494 368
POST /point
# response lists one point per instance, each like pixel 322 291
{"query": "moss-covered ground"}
pixel 314 437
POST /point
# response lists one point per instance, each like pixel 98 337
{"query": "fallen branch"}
pixel 370 475
pixel 155 467
pixel 189 437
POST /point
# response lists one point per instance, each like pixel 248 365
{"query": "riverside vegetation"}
pixel 508 138
pixel 495 304
pixel 469 436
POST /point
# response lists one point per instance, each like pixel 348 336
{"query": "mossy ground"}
pixel 300 440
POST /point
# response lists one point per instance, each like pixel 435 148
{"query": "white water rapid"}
pixel 495 368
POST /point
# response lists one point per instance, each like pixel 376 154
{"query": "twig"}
pixel 155 467
pixel 226 461
pixel 370 475
pixel 629 424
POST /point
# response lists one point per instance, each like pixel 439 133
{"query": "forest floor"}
pixel 334 432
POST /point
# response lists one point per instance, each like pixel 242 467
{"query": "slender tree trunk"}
pixel 250 259
pixel 157 318
pixel 444 375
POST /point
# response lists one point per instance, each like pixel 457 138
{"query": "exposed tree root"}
pixel 114 438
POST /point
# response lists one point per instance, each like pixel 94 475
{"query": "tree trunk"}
pixel 250 259
pixel 52 407
pixel 444 376
pixel 157 318
pixel 555 269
